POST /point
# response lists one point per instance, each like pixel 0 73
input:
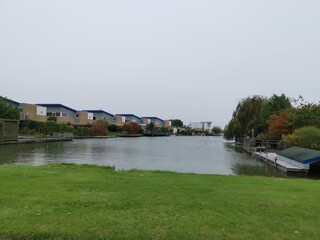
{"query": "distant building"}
pixel 63 113
pixel 201 126
pixel 101 115
pixel 155 120
pixel 168 123
pixel 33 112
pixel 121 119
pixel 84 118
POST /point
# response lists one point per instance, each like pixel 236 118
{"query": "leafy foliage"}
pixel 274 106
pixel 100 128
pixel 306 114
pixel 83 131
pixel 278 125
pixel 131 128
pixel 216 130
pixel 52 118
pixel 253 113
pixel 8 110
pixel 113 128
pixel 151 128
pixel 246 117
pixel 46 128
pixel 307 137
pixel 176 123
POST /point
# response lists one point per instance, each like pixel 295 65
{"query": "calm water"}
pixel 204 155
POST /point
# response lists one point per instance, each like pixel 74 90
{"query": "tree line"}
pixel 294 122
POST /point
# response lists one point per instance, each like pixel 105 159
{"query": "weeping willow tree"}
pixel 247 117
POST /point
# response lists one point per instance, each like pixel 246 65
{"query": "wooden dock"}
pixel 281 165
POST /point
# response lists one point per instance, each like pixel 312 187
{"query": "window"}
pixel 49 114
pixel 57 114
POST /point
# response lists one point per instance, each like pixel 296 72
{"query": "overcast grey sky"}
pixel 192 60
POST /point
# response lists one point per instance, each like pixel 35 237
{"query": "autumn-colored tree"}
pixel 100 128
pixel 274 105
pixel 278 124
pixel 131 128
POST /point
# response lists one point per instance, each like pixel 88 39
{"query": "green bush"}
pixel 31 127
pixel 113 128
pixel 83 131
pixel 50 127
pixel 34 127
pixel 307 137
pixel 52 118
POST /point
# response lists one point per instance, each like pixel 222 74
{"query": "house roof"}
pixel 55 105
pixel 128 115
pixel 98 111
pixel 155 118
pixel 301 155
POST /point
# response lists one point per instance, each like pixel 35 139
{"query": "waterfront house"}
pixel 33 112
pixel 155 120
pixel 200 126
pixel 101 115
pixel 63 113
pixel 84 118
pixel 121 119
pixel 167 123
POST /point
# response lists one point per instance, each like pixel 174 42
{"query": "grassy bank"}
pixel 88 202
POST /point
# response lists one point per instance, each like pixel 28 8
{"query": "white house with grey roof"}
pixel 121 119
pixel 101 115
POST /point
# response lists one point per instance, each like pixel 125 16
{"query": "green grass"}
pixel 88 202
pixel 113 133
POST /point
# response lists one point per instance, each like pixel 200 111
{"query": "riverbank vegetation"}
pixel 8 110
pixel 66 201
pixel 276 118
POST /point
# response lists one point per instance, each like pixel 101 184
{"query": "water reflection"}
pixel 204 155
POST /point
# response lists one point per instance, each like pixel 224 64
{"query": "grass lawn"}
pixel 89 202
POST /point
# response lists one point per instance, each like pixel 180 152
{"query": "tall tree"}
pixel 150 128
pixel 8 110
pixel 306 114
pixel 278 125
pixel 274 106
pixel 245 118
pixel 176 123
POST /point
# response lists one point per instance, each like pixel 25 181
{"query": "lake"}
pixel 197 154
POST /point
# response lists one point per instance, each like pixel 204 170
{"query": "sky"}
pixel 185 59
